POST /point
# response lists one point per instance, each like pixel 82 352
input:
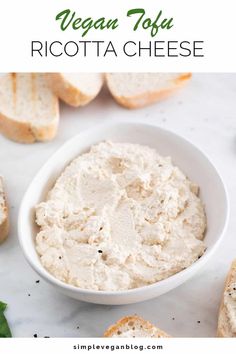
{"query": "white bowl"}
pixel 185 155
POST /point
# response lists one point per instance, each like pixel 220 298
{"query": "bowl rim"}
pixel 193 268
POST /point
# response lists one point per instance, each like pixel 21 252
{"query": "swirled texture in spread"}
pixel 120 217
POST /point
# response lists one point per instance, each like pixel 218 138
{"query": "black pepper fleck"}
pixel 46 337
pixel 37 281
pixel 35 335
pixel 29 295
pixel 198 321
pixel 99 251
pixel 173 318
pixel 60 257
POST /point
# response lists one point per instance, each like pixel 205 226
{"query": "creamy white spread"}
pixel 230 305
pixel 120 217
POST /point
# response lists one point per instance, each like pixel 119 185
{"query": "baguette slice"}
pixel 4 219
pixel 135 90
pixel 134 327
pixel 227 313
pixel 76 89
pixel 29 111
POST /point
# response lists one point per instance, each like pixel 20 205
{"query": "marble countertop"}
pixel 205 113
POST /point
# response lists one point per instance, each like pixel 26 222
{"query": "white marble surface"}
pixel 205 113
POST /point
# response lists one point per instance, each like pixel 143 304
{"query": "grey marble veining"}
pixel 205 113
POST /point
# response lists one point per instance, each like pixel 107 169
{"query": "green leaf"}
pixel 5 331
pixel 3 306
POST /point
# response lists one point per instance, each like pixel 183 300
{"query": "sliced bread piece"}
pixel 135 90
pixel 76 89
pixel 134 327
pixel 29 111
pixel 227 313
pixel 4 219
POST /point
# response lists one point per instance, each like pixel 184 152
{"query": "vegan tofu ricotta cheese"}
pixel 120 217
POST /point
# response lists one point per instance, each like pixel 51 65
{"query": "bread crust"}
pixel 224 328
pixel 134 319
pixel 4 229
pixel 67 92
pixel 145 99
pixel 4 225
pixel 28 132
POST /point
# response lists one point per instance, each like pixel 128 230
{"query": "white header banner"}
pixel 125 35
